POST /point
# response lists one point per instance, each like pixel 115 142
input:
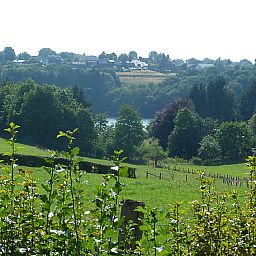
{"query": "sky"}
pixel 181 28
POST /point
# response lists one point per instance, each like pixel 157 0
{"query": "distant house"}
pixel 191 65
pixel 19 62
pixel 90 61
pixel 203 66
pixel 106 64
pixel 137 64
pixel 78 64
pixel 56 59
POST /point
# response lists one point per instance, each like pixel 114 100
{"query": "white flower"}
pixel 59 169
pixel 51 214
pixel 114 250
pixel 57 232
pixel 22 250
pixel 115 168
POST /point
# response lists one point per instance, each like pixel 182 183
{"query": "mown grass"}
pixel 142 77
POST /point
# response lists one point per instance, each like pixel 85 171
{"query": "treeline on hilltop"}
pixel 106 93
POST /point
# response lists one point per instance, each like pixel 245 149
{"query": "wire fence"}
pixel 224 178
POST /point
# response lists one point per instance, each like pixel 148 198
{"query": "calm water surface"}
pixel 145 121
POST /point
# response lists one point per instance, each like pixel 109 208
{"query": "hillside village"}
pixel 124 62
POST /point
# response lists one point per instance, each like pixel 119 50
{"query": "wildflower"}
pixel 115 168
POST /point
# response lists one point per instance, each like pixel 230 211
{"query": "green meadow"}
pixel 147 187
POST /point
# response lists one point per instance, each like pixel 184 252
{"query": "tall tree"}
pixel 123 57
pixel 8 54
pixel 45 52
pixel 163 123
pixel 132 55
pixel 129 132
pixel 209 150
pixel 252 129
pixel 186 135
pixel 150 149
pixel 247 102
pixel 220 101
pixel 197 94
pixel 234 139
pixel 24 56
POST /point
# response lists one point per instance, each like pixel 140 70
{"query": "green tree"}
pixel 41 116
pixel 163 123
pixel 24 56
pixel 132 55
pixel 153 56
pixel 186 135
pixel 252 129
pixel 123 57
pixel 209 150
pixel 247 102
pixel 150 149
pixel 102 56
pixel 129 132
pixel 233 138
pixel 67 56
pixel 43 111
pixel 101 122
pixel 45 52
pixel 8 54
pixel 197 94
pixel 220 101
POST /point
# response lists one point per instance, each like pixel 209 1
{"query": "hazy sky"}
pixel 181 28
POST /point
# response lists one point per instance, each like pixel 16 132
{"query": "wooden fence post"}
pixel 129 214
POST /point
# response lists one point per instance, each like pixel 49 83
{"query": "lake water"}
pixel 145 121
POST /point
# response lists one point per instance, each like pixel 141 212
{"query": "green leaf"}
pixel 65 154
pixel 7 154
pixel 75 151
pixel 46 187
pixel 123 172
pixel 61 134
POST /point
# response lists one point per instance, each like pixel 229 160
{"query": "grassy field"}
pixel 23 149
pixel 238 170
pixel 155 192
pixel 142 77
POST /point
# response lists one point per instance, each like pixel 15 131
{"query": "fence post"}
pixel 130 215
pixel 147 174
